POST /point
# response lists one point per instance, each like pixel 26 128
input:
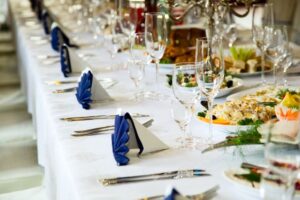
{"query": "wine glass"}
pixel 283 157
pixel 230 29
pixel 276 46
pixel 287 62
pixel 137 61
pixel 210 72
pixel 98 25
pixel 156 38
pixel 263 15
pixel 187 93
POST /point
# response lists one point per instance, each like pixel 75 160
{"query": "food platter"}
pixel 245 186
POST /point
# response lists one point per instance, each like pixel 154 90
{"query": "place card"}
pixel 128 135
pixel 70 61
pixel 90 90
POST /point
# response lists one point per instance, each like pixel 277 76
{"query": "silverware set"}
pixel 178 174
pixel 103 129
pixel 93 117
pixel 208 194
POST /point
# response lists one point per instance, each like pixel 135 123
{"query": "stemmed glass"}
pixel 230 29
pixel 210 72
pixel 287 62
pixel 186 91
pixel 137 62
pixel 282 152
pixel 263 15
pixel 276 46
pixel 156 37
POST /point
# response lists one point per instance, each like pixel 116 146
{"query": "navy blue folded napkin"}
pixel 58 37
pixel 90 90
pixel 84 90
pixel 65 60
pixel 173 194
pixel 46 21
pixel 39 9
pixel 130 134
pixel 120 139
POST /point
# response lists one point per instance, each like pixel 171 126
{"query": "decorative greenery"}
pixel 281 93
pixel 249 136
pixel 201 114
pixel 251 176
pixel 249 121
pixel 243 54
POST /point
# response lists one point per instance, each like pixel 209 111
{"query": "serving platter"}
pixel 245 186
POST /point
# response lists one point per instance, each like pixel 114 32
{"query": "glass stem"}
pixel 275 73
pixel 157 72
pixel 285 81
pixel 263 78
pixel 210 128
pixel 187 132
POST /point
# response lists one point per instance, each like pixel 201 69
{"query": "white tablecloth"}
pixel 74 165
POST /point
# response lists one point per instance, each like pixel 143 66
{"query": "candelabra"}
pixel 209 8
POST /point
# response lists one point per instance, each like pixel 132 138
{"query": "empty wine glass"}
pixel 186 91
pixel 137 62
pixel 156 38
pixel 98 25
pixel 230 29
pixel 263 15
pixel 210 72
pixel 276 46
pixel 282 152
pixel 287 62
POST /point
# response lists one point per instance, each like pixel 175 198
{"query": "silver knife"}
pixel 84 118
pixel 152 177
pixel 64 90
pixel 208 194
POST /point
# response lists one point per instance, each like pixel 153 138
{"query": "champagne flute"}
pixel 276 46
pixel 263 15
pixel 186 91
pixel 210 72
pixel 282 152
pixel 156 38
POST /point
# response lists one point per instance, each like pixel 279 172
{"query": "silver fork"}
pixel 99 130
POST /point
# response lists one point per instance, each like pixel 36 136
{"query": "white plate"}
pixel 245 186
pixel 226 91
pixel 246 74
pixel 227 129
pixel 253 90
pixel 240 94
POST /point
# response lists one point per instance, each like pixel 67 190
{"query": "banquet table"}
pixel 73 165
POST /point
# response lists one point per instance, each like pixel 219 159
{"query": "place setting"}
pixel 170 100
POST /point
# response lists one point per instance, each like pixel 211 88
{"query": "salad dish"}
pixel 254 108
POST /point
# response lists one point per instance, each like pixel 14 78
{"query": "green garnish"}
pixel 201 114
pixel 243 54
pixel 271 104
pixel 240 137
pixel 281 93
pixel 166 61
pixel 249 121
pixel 251 176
